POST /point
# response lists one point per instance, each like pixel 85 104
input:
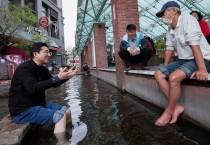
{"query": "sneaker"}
pixel 130 68
pixel 145 68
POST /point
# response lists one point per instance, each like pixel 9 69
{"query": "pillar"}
pixel 124 12
pixel 99 31
pixel 86 55
pixel 89 53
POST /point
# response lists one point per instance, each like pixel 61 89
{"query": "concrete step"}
pixel 12 133
pixel 4 88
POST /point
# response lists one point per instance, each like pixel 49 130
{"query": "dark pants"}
pixel 130 60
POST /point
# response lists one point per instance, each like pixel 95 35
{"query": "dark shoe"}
pixel 145 68
pixel 130 68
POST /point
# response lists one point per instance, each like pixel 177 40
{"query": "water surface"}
pixel 103 115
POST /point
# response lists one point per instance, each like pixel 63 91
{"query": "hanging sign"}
pixel 44 21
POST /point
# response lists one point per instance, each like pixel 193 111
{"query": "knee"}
pixel 58 116
pixel 159 75
pixel 174 79
pixel 148 51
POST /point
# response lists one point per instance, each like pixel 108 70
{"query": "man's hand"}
pixel 201 75
pixel 133 52
pixel 64 73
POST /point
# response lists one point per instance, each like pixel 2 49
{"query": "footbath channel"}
pixel 103 115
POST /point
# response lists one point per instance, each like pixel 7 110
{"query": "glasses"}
pixel 46 52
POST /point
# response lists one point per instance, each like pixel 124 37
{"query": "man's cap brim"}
pixel 160 13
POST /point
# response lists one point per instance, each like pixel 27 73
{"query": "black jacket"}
pixel 28 87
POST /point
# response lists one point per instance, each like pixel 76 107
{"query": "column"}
pixel 89 53
pixel 124 12
pixel 99 31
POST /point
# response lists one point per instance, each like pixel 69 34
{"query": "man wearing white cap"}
pixel 185 37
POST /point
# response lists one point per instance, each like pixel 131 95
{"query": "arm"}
pixel 168 55
pixel 29 80
pixel 169 49
pixel 201 74
pixel 63 76
pixel 33 86
pixel 192 37
pixel 124 45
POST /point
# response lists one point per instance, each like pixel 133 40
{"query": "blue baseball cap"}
pixel 167 5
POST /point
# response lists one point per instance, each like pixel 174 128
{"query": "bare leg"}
pixel 177 111
pixel 162 82
pixel 62 139
pixel 60 126
pixel 172 92
pixel 68 115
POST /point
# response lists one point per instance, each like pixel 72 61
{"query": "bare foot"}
pixel 177 111
pixel 163 119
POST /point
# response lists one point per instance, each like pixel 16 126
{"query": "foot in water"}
pixel 177 111
pixel 163 119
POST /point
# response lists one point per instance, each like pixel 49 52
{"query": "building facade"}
pixel 52 9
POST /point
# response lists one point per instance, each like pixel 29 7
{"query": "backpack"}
pixel 147 42
pixel 208 38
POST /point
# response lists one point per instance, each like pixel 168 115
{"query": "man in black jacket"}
pixel 27 102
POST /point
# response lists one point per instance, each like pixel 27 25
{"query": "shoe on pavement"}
pixel 145 68
pixel 130 68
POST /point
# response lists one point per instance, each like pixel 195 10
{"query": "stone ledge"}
pixel 4 88
pixel 108 69
pixel 12 133
pixel 93 68
pixel 148 72
pixel 142 72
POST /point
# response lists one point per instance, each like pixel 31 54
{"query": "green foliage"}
pixel 160 46
pixel 71 53
pixel 13 21
pixel 39 38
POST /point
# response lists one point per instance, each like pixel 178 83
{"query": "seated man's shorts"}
pixel 49 114
pixel 187 66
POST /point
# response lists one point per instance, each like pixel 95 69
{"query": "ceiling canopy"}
pixel 90 11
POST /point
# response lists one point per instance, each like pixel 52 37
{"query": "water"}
pixel 103 115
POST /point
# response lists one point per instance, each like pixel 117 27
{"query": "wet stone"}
pixel 12 133
pixel 4 88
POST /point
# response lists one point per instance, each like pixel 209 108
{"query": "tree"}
pixel 71 54
pixel 12 22
pixel 160 46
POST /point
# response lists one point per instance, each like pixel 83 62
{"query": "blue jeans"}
pixel 187 66
pixel 49 114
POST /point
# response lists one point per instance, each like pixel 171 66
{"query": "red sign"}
pixel 44 22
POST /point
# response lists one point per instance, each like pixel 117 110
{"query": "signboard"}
pixel 44 21
pixel 34 30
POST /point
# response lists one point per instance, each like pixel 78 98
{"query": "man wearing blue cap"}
pixel 185 37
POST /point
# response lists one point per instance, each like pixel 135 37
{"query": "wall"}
pixel 195 95
pixel 108 75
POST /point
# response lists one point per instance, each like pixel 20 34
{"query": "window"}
pixel 53 13
pixel 54 26
pixel 18 3
pixel 54 1
pixel 33 7
pixel 53 16
pixel 63 40
pixel 44 10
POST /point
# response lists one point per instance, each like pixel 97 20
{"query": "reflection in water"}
pixel 102 115
pixel 79 128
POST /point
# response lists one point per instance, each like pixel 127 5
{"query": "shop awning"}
pixel 15 51
pixel 57 49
